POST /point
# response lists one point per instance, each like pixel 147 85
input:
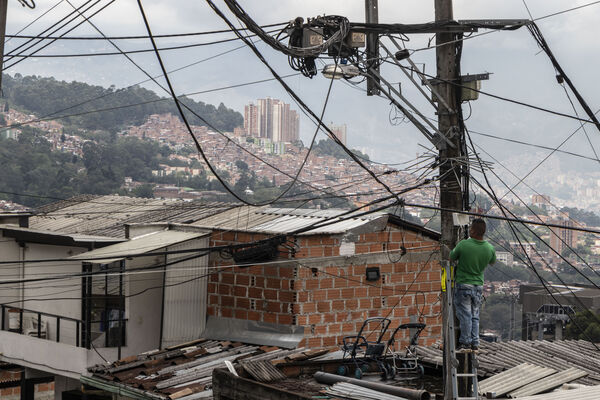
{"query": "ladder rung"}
pixel 466 398
pixel 465 374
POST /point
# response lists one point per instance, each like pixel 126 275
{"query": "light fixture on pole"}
pixel 339 71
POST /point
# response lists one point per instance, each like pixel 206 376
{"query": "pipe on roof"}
pixel 119 388
pixel 412 394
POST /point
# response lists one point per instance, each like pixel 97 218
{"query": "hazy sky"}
pixel 519 71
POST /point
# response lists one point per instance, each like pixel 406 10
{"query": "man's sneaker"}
pixel 474 347
pixel 463 347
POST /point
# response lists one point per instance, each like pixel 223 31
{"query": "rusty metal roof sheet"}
pixel 185 369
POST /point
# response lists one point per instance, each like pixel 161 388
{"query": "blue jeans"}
pixel 467 303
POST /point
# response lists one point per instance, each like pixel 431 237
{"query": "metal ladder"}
pixel 451 344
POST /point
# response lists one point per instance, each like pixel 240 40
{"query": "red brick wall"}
pixel 332 301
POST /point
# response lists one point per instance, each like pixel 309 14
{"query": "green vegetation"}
pixel 584 326
pixel 331 148
pixel 44 96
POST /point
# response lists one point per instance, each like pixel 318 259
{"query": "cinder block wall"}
pixel 330 300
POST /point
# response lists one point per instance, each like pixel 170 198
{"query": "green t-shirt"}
pixel 473 256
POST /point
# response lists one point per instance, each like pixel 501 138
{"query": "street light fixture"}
pixel 338 71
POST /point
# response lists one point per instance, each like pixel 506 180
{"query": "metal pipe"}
pixel 411 394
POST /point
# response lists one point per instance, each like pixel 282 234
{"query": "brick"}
pixel 311 284
pixel 364 303
pixel 329 318
pixel 270 317
pixel 284 319
pixel 315 318
pixel 348 293
pixel 308 308
pixel 302 320
pixel 224 289
pixel 333 294
pixel 253 316
pixel 361 292
pixel 227 278
pixel 302 296
pixel 255 293
pixel 319 295
pixel 351 304
pixel 227 301
pixel 330 341
pixel 240 314
pixel 340 282
pixel 361 248
pixel 226 312
pixel 323 306
pixel 242 302
pixel 273 306
pixel 286 271
pixel 242 280
pixel 327 252
pixel 326 283
pixel 320 330
pixel 240 291
pixel 338 305
pixel 315 343
pixel 271 270
pixel 334 329
pixel 286 296
pixel 273 283
pixel 270 294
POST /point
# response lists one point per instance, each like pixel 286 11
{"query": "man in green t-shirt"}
pixel 473 255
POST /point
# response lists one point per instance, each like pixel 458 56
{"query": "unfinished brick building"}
pixel 320 283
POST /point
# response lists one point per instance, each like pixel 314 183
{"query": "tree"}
pixel 146 191
pixel 584 325
pixel 241 165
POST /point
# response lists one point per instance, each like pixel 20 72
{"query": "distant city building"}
pixel 505 257
pixel 561 238
pixel 339 131
pixel 540 200
pixel 529 247
pixel 271 119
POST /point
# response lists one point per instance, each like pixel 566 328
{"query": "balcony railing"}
pixel 43 325
pixel 37 324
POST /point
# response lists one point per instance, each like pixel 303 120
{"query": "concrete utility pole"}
pixel 451 196
pixel 3 11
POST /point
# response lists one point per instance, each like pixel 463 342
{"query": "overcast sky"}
pixel 519 71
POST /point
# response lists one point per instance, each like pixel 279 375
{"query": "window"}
pixel 103 306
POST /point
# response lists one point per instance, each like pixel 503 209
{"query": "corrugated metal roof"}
pixel 588 393
pixel 514 378
pixel 549 383
pixel 75 236
pixel 106 215
pixel 187 369
pixel 139 245
pixel 559 355
pixel 284 220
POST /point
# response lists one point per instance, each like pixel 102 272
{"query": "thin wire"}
pixel 170 35
pixel 9 37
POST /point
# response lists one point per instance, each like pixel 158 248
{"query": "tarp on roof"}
pixel 138 246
